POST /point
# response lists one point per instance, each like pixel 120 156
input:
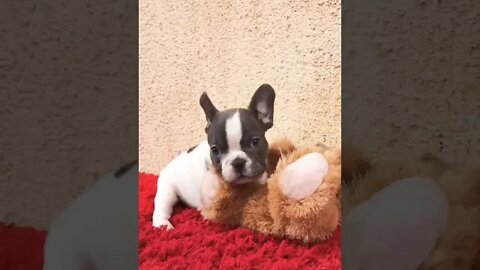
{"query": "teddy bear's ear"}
pixel 261 105
pixel 208 108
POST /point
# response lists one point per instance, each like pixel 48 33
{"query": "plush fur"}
pixel 267 209
pixel 458 246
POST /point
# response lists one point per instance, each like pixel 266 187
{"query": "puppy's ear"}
pixel 261 105
pixel 208 108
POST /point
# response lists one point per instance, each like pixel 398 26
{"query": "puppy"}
pixel 235 146
pixel 99 229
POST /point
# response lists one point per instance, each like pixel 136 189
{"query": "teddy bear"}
pixel 409 213
pixel 300 199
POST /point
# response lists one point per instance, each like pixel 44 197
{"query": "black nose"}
pixel 239 164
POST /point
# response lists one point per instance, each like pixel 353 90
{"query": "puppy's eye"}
pixel 215 150
pixel 255 141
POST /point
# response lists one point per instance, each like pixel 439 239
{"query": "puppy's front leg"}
pixel 210 186
pixel 165 199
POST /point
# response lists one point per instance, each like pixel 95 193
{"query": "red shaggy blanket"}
pixel 21 248
pixel 193 244
pixel 199 244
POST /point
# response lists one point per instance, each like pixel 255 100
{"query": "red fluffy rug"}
pixel 199 244
pixel 193 244
pixel 21 248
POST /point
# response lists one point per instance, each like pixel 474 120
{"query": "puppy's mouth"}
pixel 242 179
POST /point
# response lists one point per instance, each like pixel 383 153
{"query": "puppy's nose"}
pixel 239 164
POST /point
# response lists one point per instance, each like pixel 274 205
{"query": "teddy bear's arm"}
pixel 222 202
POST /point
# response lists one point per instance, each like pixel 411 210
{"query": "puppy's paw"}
pixel 161 223
pixel 210 186
pixel 302 177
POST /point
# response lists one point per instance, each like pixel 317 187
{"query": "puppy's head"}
pixel 238 147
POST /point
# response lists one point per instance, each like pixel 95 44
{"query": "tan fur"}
pixel 459 245
pixel 276 151
pixel 266 209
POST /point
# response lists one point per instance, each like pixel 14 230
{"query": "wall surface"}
pixel 410 74
pixel 229 48
pixel 59 128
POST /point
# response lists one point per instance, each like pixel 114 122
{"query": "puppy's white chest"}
pixel 186 172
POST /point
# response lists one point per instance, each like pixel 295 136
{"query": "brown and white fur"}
pixel 300 200
pixel 235 145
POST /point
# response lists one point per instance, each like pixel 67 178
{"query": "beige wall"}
pixel 411 77
pixel 59 128
pixel 228 48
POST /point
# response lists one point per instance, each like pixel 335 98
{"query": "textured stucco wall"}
pixel 411 77
pixel 228 48
pixel 59 127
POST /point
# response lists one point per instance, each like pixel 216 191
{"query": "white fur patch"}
pixel 210 185
pixel 181 178
pixel 228 172
pixel 301 178
pixel 233 130
pixel 77 237
pixel 397 227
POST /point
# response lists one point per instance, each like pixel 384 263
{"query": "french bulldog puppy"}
pixel 99 229
pixel 235 146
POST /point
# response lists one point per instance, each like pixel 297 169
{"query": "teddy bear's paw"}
pixel 301 178
pixel 210 187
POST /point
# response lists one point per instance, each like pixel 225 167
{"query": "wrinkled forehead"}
pixel 229 126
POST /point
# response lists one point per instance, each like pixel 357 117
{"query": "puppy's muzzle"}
pixel 239 165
